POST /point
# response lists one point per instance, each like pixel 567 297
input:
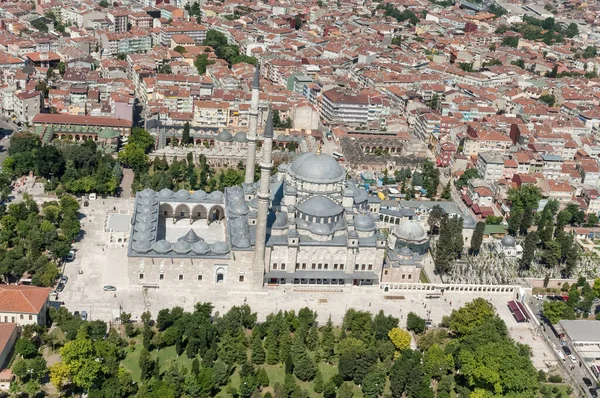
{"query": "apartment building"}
pixel 140 20
pixel 211 114
pixel 194 30
pixel 125 43
pixel 552 166
pixel 490 166
pixel 26 104
pixel 120 18
pixel 340 107
pixel 427 124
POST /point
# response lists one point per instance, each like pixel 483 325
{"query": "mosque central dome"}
pixel 317 168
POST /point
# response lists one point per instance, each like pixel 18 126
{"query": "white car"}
pixel 572 358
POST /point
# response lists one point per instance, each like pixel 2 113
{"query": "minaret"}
pixel 250 162
pixel 263 195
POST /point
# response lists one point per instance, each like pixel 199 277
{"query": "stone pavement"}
pixel 103 263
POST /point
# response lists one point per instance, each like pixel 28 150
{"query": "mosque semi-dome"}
pixel 363 222
pixel 320 206
pixel 317 168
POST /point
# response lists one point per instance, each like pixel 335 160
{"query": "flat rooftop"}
pixel 582 331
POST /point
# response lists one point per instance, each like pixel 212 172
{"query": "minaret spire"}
pixel 250 162
pixel 264 196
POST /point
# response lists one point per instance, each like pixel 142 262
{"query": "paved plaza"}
pixel 103 263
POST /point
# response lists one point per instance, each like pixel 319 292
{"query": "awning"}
pixel 467 200
pixel 487 211
pixel 476 208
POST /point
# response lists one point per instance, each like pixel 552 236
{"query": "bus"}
pixel 338 156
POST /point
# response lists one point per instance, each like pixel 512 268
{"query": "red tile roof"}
pixel 23 299
pixel 81 120
pixel 6 331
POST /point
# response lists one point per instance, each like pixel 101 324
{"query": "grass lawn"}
pixel 423 277
pixel 166 356
pixel 561 388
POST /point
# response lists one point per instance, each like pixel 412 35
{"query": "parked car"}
pixel 572 358
pixel 587 382
pixel 594 392
pixel 64 279
pixel 109 288
pixel 71 255
pixel 76 314
pixel 84 315
pixel 566 350
pixel 60 287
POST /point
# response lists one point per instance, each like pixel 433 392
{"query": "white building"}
pixel 23 305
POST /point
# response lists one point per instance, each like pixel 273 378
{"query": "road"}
pixel 7 129
pixel 576 371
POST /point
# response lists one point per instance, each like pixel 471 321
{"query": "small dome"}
pixel 508 241
pixel 240 137
pixel 147 193
pixel 224 136
pixel 143 226
pixel 162 247
pixel 281 220
pixel 410 231
pixel 182 194
pixel 165 193
pixel 145 217
pixel 200 247
pixel 240 209
pixel 363 222
pixel 143 209
pixel 143 246
pixel 216 196
pixel 149 201
pixel 241 231
pixel 405 251
pixel 190 237
pixel 142 235
pixel 254 203
pixel 181 247
pixel 199 195
pixel 237 222
pixel 242 242
pixel 235 193
pixel 219 248
pixel 320 229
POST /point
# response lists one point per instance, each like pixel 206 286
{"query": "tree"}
pixel 312 338
pixel 180 49
pixel 318 386
pixel 373 384
pixel 328 340
pixel 26 348
pixel 262 377
pixel 415 323
pixel 400 337
pixel 549 99
pixel 531 241
pixel 382 324
pixel 185 135
pixel 555 311
pixel 477 237
pixel 133 156
pixel 471 315
pixel 62 67
pixel 59 375
pixel 590 52
pixel 305 368
pixel 103 3
pixel 572 30
pixel 258 352
pixel 345 391
pixel 436 362
pixel 146 364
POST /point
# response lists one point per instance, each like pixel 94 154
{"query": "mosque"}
pixel 305 224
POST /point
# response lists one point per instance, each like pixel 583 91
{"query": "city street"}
pixel 579 371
